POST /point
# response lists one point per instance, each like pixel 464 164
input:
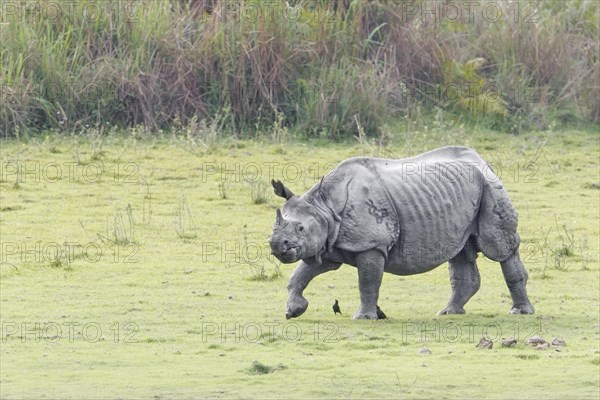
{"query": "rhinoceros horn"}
pixel 279 220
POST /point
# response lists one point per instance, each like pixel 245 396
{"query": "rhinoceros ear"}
pixel 279 219
pixel 281 190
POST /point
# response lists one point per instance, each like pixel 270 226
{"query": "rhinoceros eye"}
pixel 300 228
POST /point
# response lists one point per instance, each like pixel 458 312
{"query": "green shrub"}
pixel 157 62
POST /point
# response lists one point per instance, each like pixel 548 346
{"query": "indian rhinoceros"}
pixel 404 217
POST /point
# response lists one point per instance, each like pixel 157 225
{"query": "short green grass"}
pixel 169 292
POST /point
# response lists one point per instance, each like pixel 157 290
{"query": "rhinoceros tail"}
pixel 497 222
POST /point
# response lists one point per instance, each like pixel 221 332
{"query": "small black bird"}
pixel 336 308
pixel 380 314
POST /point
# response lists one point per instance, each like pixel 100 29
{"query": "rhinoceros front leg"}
pixel 300 278
pixel 370 266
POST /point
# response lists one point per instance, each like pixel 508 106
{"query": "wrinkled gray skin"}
pixel 403 217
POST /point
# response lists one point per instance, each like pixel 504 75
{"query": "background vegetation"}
pixel 321 68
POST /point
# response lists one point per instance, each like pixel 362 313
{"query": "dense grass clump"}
pixel 326 68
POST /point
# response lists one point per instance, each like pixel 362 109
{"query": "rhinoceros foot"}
pixel 451 310
pixel 296 306
pixel 364 315
pixel 524 309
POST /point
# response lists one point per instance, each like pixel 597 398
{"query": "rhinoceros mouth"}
pixel 289 255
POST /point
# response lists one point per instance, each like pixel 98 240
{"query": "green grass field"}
pixel 138 267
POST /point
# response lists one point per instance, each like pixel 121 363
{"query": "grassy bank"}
pixel 168 289
pixel 509 66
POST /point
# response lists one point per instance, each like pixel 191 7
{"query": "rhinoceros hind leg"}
pixel 370 273
pixel 464 280
pixel 516 276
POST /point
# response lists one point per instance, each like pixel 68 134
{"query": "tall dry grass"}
pixel 315 66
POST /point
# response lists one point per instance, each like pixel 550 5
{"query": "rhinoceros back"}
pixel 437 197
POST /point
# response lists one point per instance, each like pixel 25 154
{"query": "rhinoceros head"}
pixel 302 227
